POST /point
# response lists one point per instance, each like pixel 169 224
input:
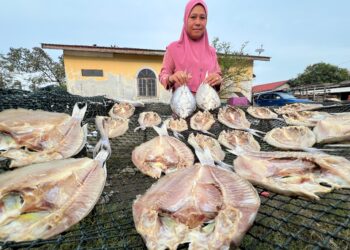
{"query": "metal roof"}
pixel 121 50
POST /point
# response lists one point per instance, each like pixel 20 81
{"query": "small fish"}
pixel 207 98
pixel 183 103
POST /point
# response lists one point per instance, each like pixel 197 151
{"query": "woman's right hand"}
pixel 180 78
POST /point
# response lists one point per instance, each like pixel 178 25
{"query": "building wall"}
pixel 119 79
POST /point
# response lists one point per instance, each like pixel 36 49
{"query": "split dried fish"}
pixel 116 126
pixel 182 102
pixel 162 154
pixel 305 118
pixel 262 113
pixel 297 107
pixel 44 135
pixel 235 118
pixel 202 121
pixel 333 129
pixel 203 205
pixel 294 173
pixel 148 120
pixel 45 199
pixel 238 140
pixel 177 126
pixel 291 137
pixel 124 110
pixel 204 141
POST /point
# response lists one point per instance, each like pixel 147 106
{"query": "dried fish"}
pixel 177 126
pixel 202 121
pixel 297 107
pixel 294 173
pixel 54 137
pixel 238 140
pixel 204 141
pixel 203 205
pixel 148 120
pixel 124 110
pixel 207 98
pixel 116 126
pixel 333 129
pixel 45 199
pixel 182 102
pixel 305 118
pixel 162 154
pixel 292 137
pixel 262 113
pixel 235 118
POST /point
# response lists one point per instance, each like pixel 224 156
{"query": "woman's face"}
pixel 197 22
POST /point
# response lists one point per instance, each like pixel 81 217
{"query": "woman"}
pixel 191 60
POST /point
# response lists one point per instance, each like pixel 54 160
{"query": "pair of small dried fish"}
pixel 183 103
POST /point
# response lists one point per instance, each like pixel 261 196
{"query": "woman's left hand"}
pixel 213 79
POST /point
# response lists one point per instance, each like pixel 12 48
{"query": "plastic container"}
pixel 238 101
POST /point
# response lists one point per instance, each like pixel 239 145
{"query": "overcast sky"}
pixel 294 33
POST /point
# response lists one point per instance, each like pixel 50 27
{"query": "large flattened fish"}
pixel 294 173
pixel 162 154
pixel 291 137
pixel 297 107
pixel 44 135
pixel 333 129
pixel 45 199
pixel 203 205
pixel 305 118
pixel 207 98
pixel 124 110
pixel 182 102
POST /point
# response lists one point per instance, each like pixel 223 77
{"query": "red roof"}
pixel 268 86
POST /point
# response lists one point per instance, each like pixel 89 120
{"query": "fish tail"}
pixel 79 113
pixel 161 130
pixel 178 135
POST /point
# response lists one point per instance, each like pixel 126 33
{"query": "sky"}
pixel 294 33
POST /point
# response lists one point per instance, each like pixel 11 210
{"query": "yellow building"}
pixel 118 73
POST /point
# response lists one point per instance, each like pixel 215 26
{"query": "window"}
pixel 146 83
pixel 92 72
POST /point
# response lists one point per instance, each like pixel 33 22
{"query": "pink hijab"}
pixel 194 57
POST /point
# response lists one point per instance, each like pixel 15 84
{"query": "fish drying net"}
pixel 282 222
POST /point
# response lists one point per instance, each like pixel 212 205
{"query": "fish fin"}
pixel 319 150
pixel 255 132
pixel 279 119
pixel 204 156
pixel 79 113
pixel 103 143
pixel 139 127
pixel 178 135
pixel 207 132
pixel 85 133
pixel 338 145
pixel 237 151
pixel 161 130
pixel 224 165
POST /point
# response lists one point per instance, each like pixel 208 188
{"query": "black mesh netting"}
pixel 282 222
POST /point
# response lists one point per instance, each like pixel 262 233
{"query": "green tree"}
pixel 320 73
pixel 35 66
pixel 234 66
